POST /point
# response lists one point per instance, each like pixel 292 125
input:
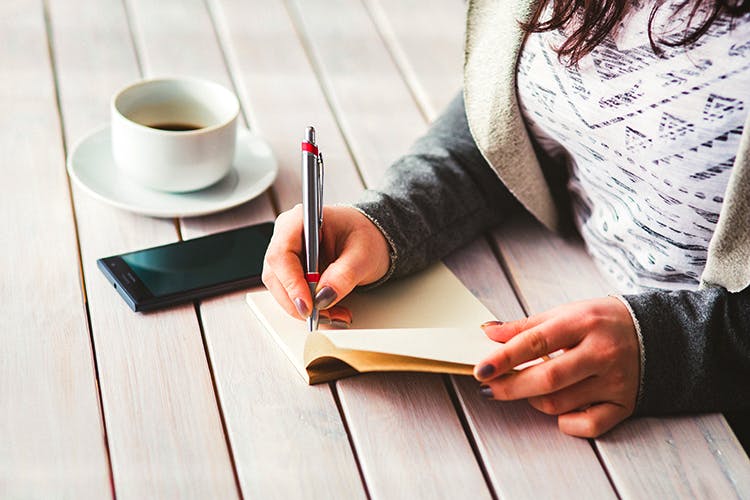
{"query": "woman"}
pixel 623 119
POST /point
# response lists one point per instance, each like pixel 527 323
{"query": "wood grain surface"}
pixel 408 437
pixel 197 401
pixel 53 441
pixel 426 42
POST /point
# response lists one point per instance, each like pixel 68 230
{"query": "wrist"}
pixel 387 258
pixel 641 349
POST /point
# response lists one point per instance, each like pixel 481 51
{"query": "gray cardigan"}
pixel 477 165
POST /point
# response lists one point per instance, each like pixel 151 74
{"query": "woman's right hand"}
pixel 354 248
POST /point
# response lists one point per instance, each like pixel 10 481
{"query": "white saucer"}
pixel 91 166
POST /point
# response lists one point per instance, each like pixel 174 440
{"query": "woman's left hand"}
pixel 592 386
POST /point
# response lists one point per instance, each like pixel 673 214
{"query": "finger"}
pixel 545 378
pixel 282 268
pixel 574 397
pixel 337 317
pixel 340 313
pixel 593 421
pixel 503 332
pixel 540 340
pixel 287 231
pixel 340 277
pixel 279 293
pixel 287 269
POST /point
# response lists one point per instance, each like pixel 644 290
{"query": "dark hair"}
pixel 590 21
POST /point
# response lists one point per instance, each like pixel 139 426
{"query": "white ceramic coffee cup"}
pixel 174 160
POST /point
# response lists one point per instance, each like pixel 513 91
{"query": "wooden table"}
pixel 198 401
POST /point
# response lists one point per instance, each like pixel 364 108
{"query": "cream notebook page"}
pixel 430 315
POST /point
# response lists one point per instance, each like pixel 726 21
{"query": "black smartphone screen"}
pixel 187 270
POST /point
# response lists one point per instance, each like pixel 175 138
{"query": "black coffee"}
pixel 177 127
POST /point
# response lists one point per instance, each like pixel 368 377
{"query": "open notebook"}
pixel 428 322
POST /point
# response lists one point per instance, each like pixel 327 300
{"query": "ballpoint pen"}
pixel 312 205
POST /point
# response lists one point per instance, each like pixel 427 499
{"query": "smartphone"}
pixel 189 270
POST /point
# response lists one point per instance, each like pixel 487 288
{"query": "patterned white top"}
pixel 649 141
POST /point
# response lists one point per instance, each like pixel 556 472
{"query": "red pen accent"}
pixel 306 146
pixel 312 277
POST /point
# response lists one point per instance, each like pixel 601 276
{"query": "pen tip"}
pixel 310 135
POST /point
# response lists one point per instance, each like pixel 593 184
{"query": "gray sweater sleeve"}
pixel 697 350
pixel 443 193
pixel 438 196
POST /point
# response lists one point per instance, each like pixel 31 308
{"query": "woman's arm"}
pixel 438 196
pixel 697 350
pixel 432 200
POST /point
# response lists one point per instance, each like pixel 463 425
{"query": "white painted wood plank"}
pixel 165 432
pixel 288 439
pixel 695 457
pixel 278 84
pixel 409 438
pixel 566 460
pixel 176 38
pixel 667 457
pixel 426 40
pixel 534 264
pixel 478 269
pixel 51 432
pixel 525 454
pixel 376 113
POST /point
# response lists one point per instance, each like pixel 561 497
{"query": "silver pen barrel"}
pixel 310 205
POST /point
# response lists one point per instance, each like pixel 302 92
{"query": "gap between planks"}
pixel 375 12
pixel 232 458
pixel 451 390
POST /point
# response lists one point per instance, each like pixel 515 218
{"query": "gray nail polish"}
pixel 485 391
pixel 485 371
pixel 325 297
pixel 301 307
pixel 336 323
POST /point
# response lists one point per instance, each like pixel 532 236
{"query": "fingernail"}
pixel 301 307
pixel 485 391
pixel 339 324
pixel 485 371
pixel 325 297
pixel 490 323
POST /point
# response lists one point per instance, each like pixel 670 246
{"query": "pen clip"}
pixel 321 173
